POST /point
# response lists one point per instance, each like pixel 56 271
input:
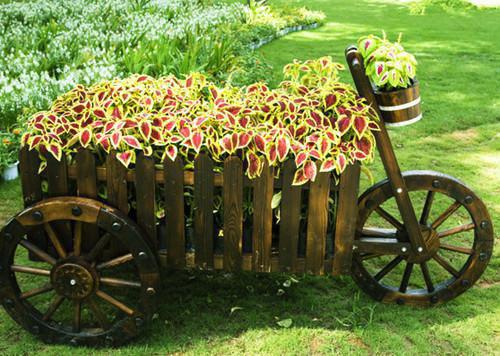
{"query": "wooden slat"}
pixel 345 221
pixel 57 176
pixel 145 195
pixel 233 213
pixel 174 213
pixel 289 219
pixel 32 190
pixel 262 233
pixel 86 180
pixel 116 183
pixel 203 214
pixel 317 223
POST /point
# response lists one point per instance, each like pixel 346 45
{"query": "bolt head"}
pixel 484 224
pixel 72 282
pixel 139 321
pixel 404 249
pixel 468 199
pixel 399 190
pixel 109 340
pixel 483 256
pixel 434 299
pixel 142 255
pixel 420 249
pixel 73 342
pixel 116 226
pixel 9 303
pixel 400 301
pixel 8 236
pixel 76 211
pixel 465 283
pixel 436 183
pixel 37 215
pixel 35 329
pixel 151 291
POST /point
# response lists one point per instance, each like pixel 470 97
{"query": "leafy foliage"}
pixel 387 64
pixel 312 118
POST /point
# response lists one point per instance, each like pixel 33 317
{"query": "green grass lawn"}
pixel 458 55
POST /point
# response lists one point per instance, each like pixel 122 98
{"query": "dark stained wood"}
pixel 262 233
pixel 289 219
pixel 233 213
pixel 86 181
pixel 345 220
pixel 32 190
pixel 387 155
pixel 317 223
pixel 145 197
pixel 203 214
pixel 116 183
pixel 396 98
pixel 174 213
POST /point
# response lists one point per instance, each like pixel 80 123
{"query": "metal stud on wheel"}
pixel 457 231
pixel 75 293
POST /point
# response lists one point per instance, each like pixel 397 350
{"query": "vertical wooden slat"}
pixel 116 183
pixel 262 233
pixel 317 223
pixel 32 190
pixel 145 195
pixel 233 213
pixel 289 219
pixel 57 177
pixel 86 180
pixel 203 214
pixel 345 224
pixel 174 213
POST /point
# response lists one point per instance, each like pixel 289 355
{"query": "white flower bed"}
pixel 48 46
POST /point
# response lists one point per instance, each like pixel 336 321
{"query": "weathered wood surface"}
pixel 345 223
pixel 203 214
pixel 174 213
pixel 317 223
pixel 233 213
pixel 262 234
pixel 145 188
pixel 289 219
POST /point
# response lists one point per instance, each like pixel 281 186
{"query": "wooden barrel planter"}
pixel 400 107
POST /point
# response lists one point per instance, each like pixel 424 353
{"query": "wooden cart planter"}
pixel 81 239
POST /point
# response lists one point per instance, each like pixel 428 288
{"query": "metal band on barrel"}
pixel 400 107
pixel 403 123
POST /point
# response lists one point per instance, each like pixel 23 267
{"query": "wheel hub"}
pixel 431 240
pixel 73 280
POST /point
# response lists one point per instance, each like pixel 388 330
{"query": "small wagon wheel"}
pixel 75 294
pixel 457 231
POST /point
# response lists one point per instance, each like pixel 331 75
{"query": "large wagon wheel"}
pixel 457 231
pixel 76 295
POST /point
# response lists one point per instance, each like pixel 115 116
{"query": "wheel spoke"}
pixel 389 218
pixel 97 311
pixel 77 316
pixel 56 303
pixel 115 261
pixel 77 242
pixel 30 270
pixel 464 250
pixel 406 278
pixel 115 282
pixel 55 240
pixel 456 230
pixel 427 207
pixel 446 265
pixel 446 214
pixel 103 241
pixel 44 256
pixel 37 291
pixel 106 297
pixel 427 277
pixel 389 267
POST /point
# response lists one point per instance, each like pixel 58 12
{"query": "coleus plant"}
pixel 387 64
pixel 311 117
